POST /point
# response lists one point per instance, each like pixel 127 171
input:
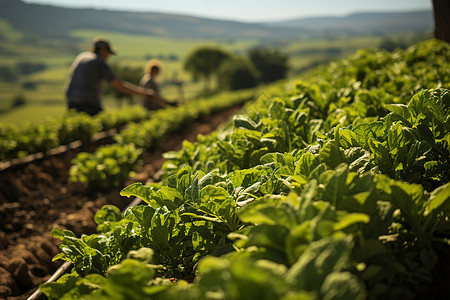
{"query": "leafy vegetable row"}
pixel 109 166
pixel 333 190
pixel 16 142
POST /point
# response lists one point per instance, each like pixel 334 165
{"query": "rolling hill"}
pixel 364 23
pixel 57 22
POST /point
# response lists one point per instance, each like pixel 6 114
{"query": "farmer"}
pixel 88 71
pixel 156 101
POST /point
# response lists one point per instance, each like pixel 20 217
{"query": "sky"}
pixel 248 10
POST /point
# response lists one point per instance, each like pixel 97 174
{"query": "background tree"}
pixel 8 74
pixel 442 19
pixel 237 73
pixel 18 100
pixel 26 68
pixel 271 64
pixel 205 62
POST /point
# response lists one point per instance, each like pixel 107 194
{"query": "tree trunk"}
pixel 442 19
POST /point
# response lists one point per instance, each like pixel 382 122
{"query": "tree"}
pixel 205 62
pixel 271 64
pixel 8 74
pixel 442 19
pixel 18 100
pixel 26 68
pixel 237 73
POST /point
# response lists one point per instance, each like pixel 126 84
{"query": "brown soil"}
pixel 37 197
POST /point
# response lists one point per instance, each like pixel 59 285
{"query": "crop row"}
pixel 109 166
pixel 19 141
pixel 337 188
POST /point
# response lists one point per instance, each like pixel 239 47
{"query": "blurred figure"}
pixel 149 80
pixel 87 72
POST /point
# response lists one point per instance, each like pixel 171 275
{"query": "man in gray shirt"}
pixel 88 71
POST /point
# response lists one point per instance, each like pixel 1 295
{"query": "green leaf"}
pixel 70 287
pixel 428 257
pixel 337 186
pixel 108 213
pixel 137 190
pixel 277 110
pixel 242 121
pixel 402 111
pixel 417 102
pixel 369 131
pixel 61 234
pixel 306 164
pixel 145 255
pixel 202 217
pixel 439 200
pixel 382 156
pixel 142 214
pixel 331 154
pixel 347 139
pixel 268 236
pixel 269 212
pixel 396 139
pixel 350 219
pixel 298 240
pixel 343 286
pixel 129 279
pixel 170 194
pixel 410 199
pixel 214 193
pixel 320 258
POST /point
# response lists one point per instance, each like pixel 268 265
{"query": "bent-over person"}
pixel 87 73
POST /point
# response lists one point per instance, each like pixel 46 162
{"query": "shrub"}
pixel 237 74
pixel 271 64
pixel 19 100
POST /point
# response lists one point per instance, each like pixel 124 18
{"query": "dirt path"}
pixel 38 197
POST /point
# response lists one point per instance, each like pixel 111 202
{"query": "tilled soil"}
pixel 36 197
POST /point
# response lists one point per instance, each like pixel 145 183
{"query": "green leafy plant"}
pixel 335 189
pixel 109 167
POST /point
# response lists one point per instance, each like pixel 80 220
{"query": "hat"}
pixel 103 43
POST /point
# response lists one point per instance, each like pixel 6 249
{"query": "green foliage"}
pixel 336 189
pixel 15 142
pixel 18 100
pixel 271 64
pixel 75 126
pixel 237 74
pixel 109 167
pixel 29 139
pixel 121 117
pixel 8 74
pixel 205 61
pixel 26 68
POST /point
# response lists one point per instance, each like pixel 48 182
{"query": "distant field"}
pixel 47 99
pixel 32 114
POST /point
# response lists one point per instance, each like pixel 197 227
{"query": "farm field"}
pixel 310 161
pixel 44 198
pixel 336 184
